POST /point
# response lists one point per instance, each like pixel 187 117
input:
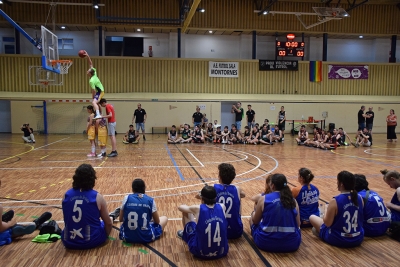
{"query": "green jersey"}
pixel 95 83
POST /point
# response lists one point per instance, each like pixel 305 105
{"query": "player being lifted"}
pixel 95 84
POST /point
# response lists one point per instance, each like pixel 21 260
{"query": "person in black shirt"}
pixel 363 138
pixel 131 136
pixel 197 118
pixel 141 116
pixel 361 118
pixel 280 121
pixel 251 117
pixel 238 110
pixel 28 134
pixel 370 119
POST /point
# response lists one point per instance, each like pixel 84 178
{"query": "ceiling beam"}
pixel 189 17
pixel 53 3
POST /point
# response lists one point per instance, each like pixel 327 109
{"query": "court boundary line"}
pixel 195 157
pixel 174 162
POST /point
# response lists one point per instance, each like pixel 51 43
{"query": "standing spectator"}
pixel 205 121
pixel 361 118
pixel 197 118
pixel 141 116
pixel 370 119
pixel 112 124
pixel 281 121
pixel 391 120
pixel 251 117
pixel 28 134
pixel 238 110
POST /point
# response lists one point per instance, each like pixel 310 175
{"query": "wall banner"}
pixel 348 72
pixel 223 69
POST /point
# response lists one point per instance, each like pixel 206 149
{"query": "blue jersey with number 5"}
pixel 137 216
pixel 211 232
pixel 229 196
pixel 347 227
pixel 83 228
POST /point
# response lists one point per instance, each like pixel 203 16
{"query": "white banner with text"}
pixel 223 69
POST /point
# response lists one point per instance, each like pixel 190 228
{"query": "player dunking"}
pixel 96 85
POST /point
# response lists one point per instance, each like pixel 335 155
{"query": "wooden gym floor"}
pixel 34 178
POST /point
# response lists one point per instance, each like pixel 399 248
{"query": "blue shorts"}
pixel 238 125
pixel 326 235
pixel 99 95
pixel 5 237
pixel 196 124
pixel 276 242
pixel 95 241
pixel 156 231
pixel 140 125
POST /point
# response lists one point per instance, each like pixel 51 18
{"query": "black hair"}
pixel 393 111
pixel 90 107
pixel 306 174
pixel 173 126
pixel 361 182
pixel 138 186
pixel 226 127
pixel 92 71
pixel 208 195
pixel 131 125
pixel 103 100
pixel 362 107
pixel 280 182
pixel 349 182
pixel 246 127
pixel 226 172
pixel 84 177
pixel 249 105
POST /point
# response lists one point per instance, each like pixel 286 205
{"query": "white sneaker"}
pixel 98 117
pixel 101 155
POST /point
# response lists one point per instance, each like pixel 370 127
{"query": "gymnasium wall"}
pixel 154 75
pixel 174 109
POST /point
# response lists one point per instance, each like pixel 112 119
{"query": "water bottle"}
pixel 302 117
pixel 321 210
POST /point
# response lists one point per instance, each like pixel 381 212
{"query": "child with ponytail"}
pixel 275 223
pixel 342 225
pixel 392 178
pixel 307 197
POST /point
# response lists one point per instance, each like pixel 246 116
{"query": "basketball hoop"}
pixel 62 64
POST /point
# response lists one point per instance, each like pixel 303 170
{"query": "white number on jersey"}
pixel 353 224
pixel 77 209
pixel 217 235
pixel 228 205
pixel 380 205
pixel 133 220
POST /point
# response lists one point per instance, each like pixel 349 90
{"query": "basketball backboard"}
pixel 331 12
pixel 40 76
pixel 50 51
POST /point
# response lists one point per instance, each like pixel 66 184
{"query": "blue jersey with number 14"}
pixel 229 196
pixel 211 232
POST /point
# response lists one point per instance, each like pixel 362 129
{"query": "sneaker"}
pixel 144 138
pixel 6 217
pixel 271 143
pixel 115 213
pixel 180 234
pixel 91 155
pixel 98 117
pixel 19 230
pixel 283 139
pixel 125 142
pixel 101 155
pixel 112 154
pixel 42 219
pixel 33 141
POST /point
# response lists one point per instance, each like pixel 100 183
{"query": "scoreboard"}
pixel 289 48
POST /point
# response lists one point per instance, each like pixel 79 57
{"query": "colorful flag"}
pixel 315 71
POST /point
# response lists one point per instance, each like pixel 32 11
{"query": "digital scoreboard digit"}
pixel 289 49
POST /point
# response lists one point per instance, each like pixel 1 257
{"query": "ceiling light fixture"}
pixel 265 12
pixel 360 36
pixel 138 30
pixel 210 31
pixel 63 27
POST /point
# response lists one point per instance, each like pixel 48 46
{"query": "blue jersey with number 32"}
pixel 83 228
pixel 137 216
pixel 229 196
pixel 211 232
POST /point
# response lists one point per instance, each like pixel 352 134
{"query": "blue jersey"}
pixel 278 231
pixel 376 216
pixel 347 227
pixel 308 202
pixel 137 216
pixel 83 228
pixel 395 213
pixel 211 232
pixel 229 196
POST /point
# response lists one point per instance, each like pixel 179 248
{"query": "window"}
pixel 9 45
pixel 66 43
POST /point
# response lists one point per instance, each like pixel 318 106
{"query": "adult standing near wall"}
pixel 391 120
pixel 239 112
pixel 370 119
pixel 140 116
pixel 361 118
pixel 197 118
pixel 112 124
pixel 281 121
pixel 251 117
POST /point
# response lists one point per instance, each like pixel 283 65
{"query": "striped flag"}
pixel 315 71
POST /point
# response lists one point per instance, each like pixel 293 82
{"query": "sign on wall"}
pixel 278 64
pixel 223 69
pixel 348 72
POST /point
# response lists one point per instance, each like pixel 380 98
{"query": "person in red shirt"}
pixel 111 125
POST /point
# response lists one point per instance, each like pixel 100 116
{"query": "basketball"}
pixel 82 53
